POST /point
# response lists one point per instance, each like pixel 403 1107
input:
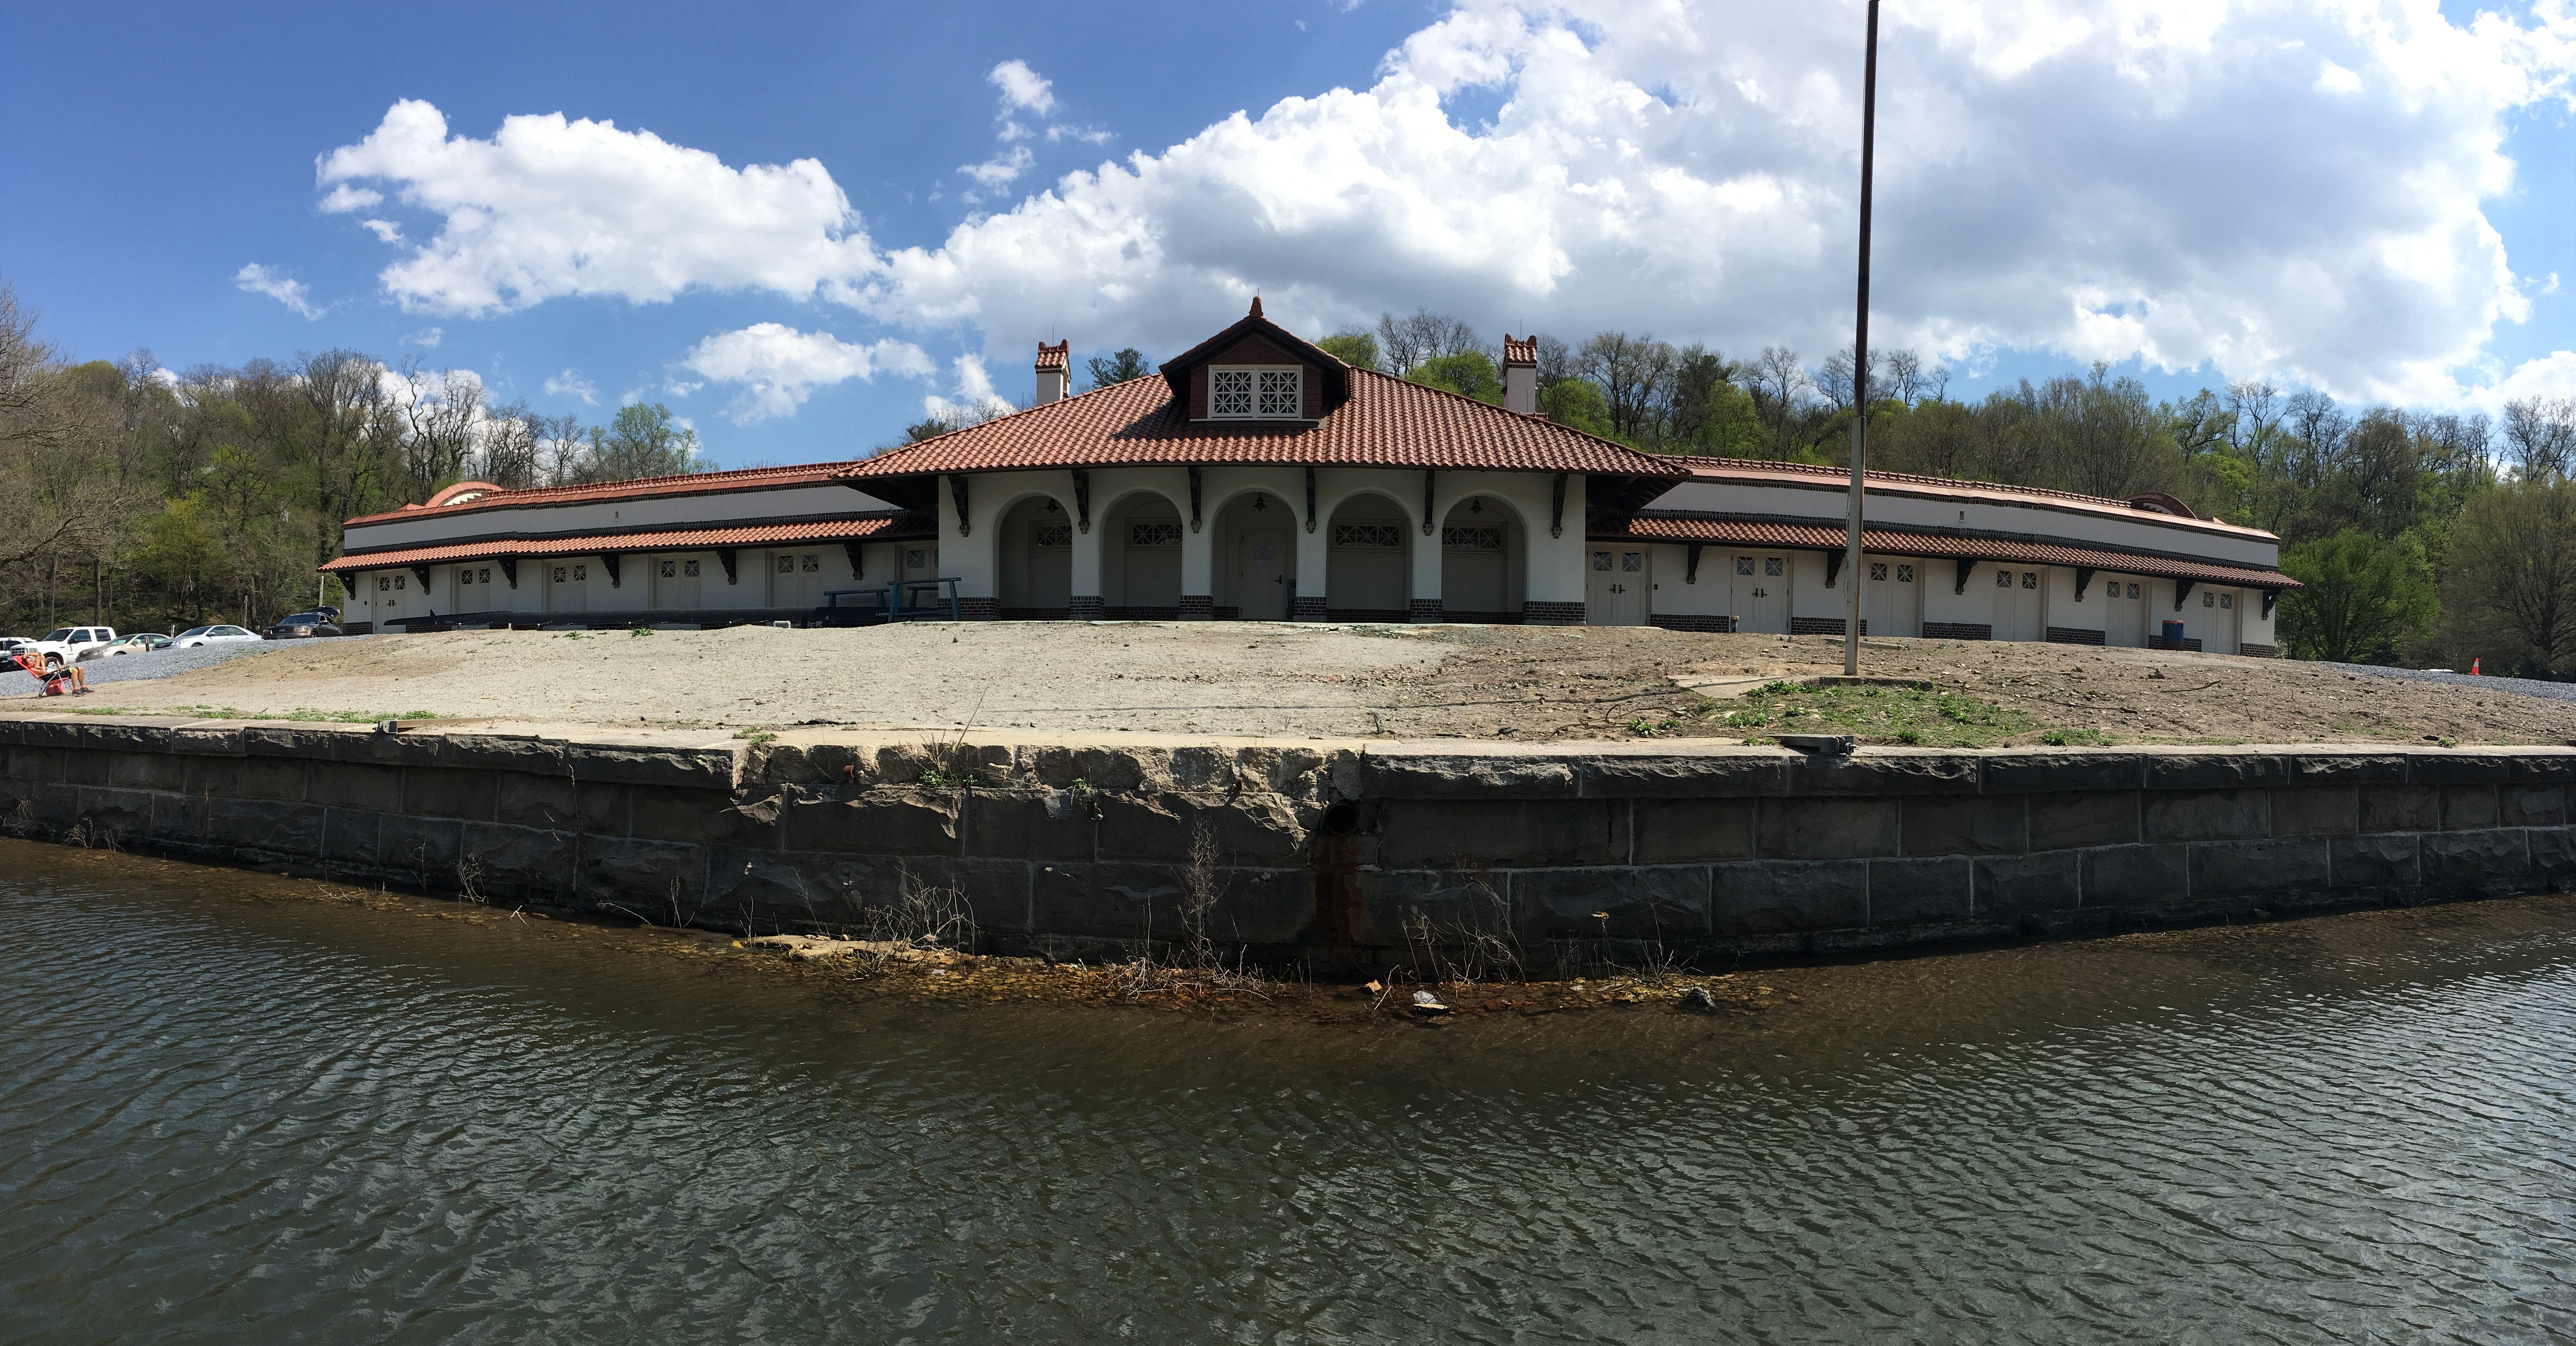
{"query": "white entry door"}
pixel 2017 595
pixel 1762 594
pixel 2124 612
pixel 1619 587
pixel 1890 598
pixel 1261 568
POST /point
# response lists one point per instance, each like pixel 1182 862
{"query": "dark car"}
pixel 303 626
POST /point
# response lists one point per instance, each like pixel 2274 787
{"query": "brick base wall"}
pixel 1140 614
pixel 1958 631
pixel 1822 626
pixel 980 609
pixel 1034 614
pixel 1086 608
pixel 2191 643
pixel 1485 618
pixel 1303 609
pixel 1535 613
pixel 2073 635
pixel 2259 651
pixel 1197 608
pixel 1676 622
pixel 1424 610
pixel 1395 616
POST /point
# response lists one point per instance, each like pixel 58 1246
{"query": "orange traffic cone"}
pixel 2473 668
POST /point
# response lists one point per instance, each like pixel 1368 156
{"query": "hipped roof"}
pixel 1740 531
pixel 872 527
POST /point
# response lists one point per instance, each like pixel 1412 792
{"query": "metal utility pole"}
pixel 1860 356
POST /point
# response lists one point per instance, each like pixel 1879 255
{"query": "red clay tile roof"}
pixel 1521 352
pixel 1387 423
pixel 1057 356
pixel 687 483
pixel 1724 530
pixel 877 527
pixel 1752 471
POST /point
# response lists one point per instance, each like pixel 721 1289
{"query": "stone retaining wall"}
pixel 1326 850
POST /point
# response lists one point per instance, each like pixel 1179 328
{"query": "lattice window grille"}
pixel 1473 537
pixel 1905 574
pixel 1601 560
pixel 2133 591
pixel 1051 535
pixel 1154 534
pixel 2030 579
pixel 1388 535
pixel 2227 600
pixel 383 585
pixel 464 576
pixel 1632 561
pixel 581 572
pixel 1744 565
pixel 786 565
pixel 1230 392
pixel 2003 579
pixel 689 568
pixel 813 565
pixel 2208 599
pixel 670 570
pixel 1772 565
pixel 1878 570
pixel 1279 394
pixel 917 558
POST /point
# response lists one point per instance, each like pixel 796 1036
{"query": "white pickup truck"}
pixel 63 646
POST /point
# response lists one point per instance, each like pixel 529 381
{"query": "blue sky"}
pixel 2373 200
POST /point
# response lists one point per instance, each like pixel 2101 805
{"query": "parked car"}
pixel 143 642
pixel 67 643
pixel 211 635
pixel 12 644
pixel 304 625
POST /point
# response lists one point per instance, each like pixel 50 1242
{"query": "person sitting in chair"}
pixel 66 680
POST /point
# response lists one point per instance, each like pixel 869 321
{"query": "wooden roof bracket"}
pixel 1967 567
pixel 608 562
pixel 1833 567
pixel 423 572
pixel 1556 520
pixel 728 557
pixel 2182 590
pixel 1690 571
pixel 858 566
pixel 1429 500
pixel 1194 499
pixel 1082 499
pixel 957 492
pixel 510 569
pixel 1310 499
pixel 2270 596
pixel 2083 577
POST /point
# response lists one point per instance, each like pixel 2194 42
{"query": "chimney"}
pixel 1055 370
pixel 1520 374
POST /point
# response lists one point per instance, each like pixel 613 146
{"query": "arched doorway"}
pixel 1255 558
pixel 1368 561
pixel 1140 560
pixel 1481 562
pixel 1036 546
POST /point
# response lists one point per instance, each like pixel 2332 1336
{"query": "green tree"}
pixel 1577 405
pixel 644 441
pixel 2364 596
pixel 1353 346
pixel 2509 581
pixel 1106 370
pixel 1468 374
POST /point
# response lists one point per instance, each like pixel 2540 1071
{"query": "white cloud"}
pixel 344 198
pixel 779 367
pixel 260 280
pixel 428 337
pixel 386 231
pixel 2332 78
pixel 570 383
pixel 1022 87
pixel 1001 167
pixel 549 208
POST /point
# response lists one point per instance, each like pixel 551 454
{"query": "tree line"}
pixel 151 498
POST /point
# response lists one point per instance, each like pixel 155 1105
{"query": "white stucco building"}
pixel 1257 478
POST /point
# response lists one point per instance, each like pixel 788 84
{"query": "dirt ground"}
pixel 1245 679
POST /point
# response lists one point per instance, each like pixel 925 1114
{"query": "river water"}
pixel 233 1112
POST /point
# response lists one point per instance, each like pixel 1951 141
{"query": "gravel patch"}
pixel 159 663
pixel 2555 691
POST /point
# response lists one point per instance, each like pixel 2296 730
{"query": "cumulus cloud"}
pixel 549 208
pixel 2284 188
pixel 779 367
pixel 260 280
pixel 1001 167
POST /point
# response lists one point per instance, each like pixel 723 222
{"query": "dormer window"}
pixel 1256 394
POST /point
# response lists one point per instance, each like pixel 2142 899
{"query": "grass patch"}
pixel 300 715
pixel 1933 719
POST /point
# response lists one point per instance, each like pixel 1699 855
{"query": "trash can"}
pixel 2173 635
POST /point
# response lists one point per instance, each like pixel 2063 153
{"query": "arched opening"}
pixel 1481 562
pixel 1140 560
pixel 1255 559
pixel 1036 546
pixel 1368 561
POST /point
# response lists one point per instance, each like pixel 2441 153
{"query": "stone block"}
pixel 49 731
pixel 635 873
pixel 2017 885
pixel 2316 811
pixel 405 750
pixel 2401 808
pixel 996 893
pixel 352 837
pixel 1456 776
pixel 269 825
pixel 707 817
pixel 1966 824
pixel 212 776
pixel 2068 821
pixel 141 736
pixel 2208 815
pixel 1068 900
pixel 2215 769
pixel 350 785
pixel 1768 897
pixel 1657 902
pixel 37 763
pixel 2121 876
pixel 1247 829
pixel 2531 805
pixel 1262 906
pixel 305 741
pixel 1057 825
pixel 878 822
pixel 2544 766
pixel 124 815
pixel 1903 892
pixel 1828 829
pixel 270 778
pixel 1453 900
pixel 1118 771
pixel 1673 831
pixel 703 768
pixel 147 771
pixel 2032 771
pixel 1881 772
pixel 2323 768
pixel 2468 807
pixel 438 792
pixel 55 806
pixel 419 851
pixel 177 818
pixel 2234 869
pixel 2488 863
pixel 2458 766
pixel 501 752
pixel 528 862
pixel 2553 857
pixel 1417 833
pixel 84 767
pixel 205 741
pixel 829 889
pixel 1719 774
pixel 527 800
pixel 2380 862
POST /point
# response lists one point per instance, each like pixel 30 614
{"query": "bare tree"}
pixel 441 411
pixel 1635 376
pixel 508 453
pixel 1779 383
pixel 1835 379
pixel 2540 436
pixel 1405 342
